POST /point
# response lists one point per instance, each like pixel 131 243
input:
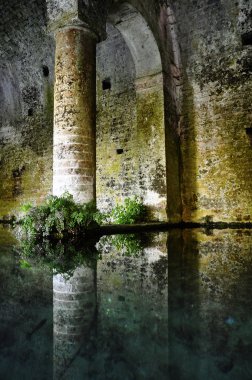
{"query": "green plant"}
pixel 24 264
pixel 101 217
pixel 26 207
pixel 131 211
pixel 131 245
pixel 58 215
pixel 62 216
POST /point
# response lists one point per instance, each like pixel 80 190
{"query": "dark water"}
pixel 158 306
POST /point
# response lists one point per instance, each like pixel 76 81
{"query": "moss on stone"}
pixel 48 102
pixel 217 155
pixel 24 176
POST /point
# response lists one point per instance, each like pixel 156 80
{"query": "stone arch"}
pixel 131 158
pixel 137 145
pixel 139 39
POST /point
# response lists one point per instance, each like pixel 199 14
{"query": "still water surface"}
pixel 170 305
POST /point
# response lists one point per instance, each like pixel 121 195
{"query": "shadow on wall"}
pixel 9 94
pixel 189 153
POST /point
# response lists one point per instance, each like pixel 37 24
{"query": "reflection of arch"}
pixel 131 157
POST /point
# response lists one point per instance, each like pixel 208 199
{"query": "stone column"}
pixel 74 161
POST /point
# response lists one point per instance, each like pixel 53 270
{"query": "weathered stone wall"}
pixel 117 170
pixel 216 112
pixel 207 135
pixel 160 19
pixel 26 97
pixel 130 125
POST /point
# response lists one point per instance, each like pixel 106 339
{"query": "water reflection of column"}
pixel 74 305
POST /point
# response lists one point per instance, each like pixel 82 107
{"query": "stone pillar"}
pixel 74 161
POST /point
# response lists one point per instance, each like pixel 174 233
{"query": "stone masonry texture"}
pixel 26 104
pixel 74 115
pixel 191 159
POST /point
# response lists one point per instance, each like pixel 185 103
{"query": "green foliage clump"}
pixel 24 264
pixel 56 232
pixel 131 211
pixel 61 216
pixel 129 245
pixel 58 216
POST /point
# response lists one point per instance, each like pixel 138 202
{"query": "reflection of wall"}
pixel 224 258
pixel 210 275
pixel 225 267
pixel 74 305
pixel 133 312
pixel 26 316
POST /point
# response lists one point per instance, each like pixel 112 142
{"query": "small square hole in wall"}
pixel 247 38
pixel 119 151
pixel 45 70
pixel 30 112
pixel 249 134
pixel 106 84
